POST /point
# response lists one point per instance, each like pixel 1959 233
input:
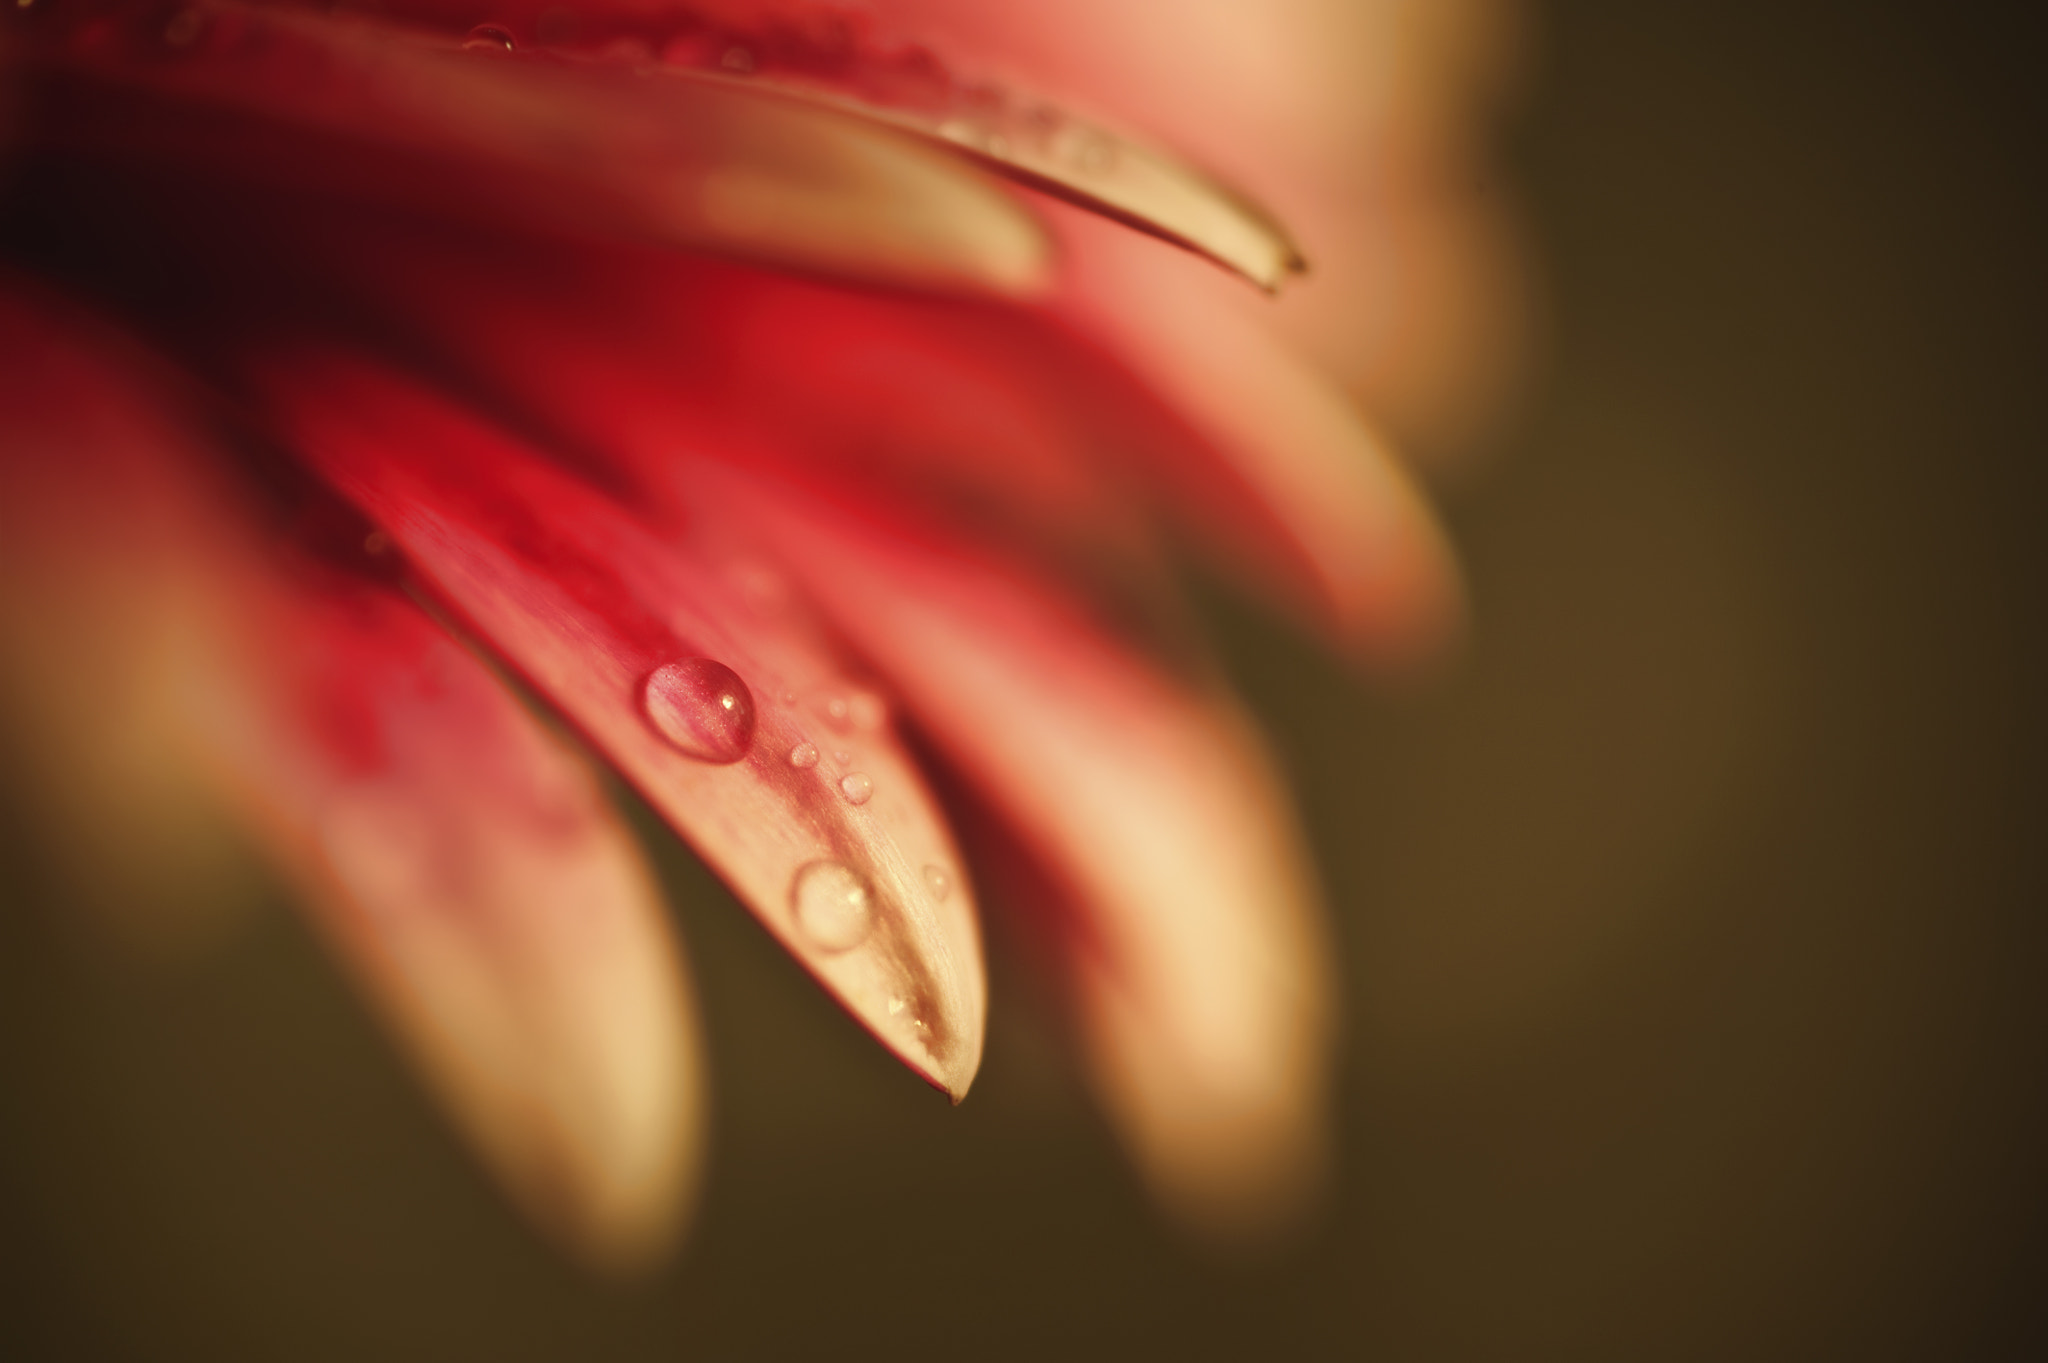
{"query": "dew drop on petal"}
pixel 838 711
pixel 702 707
pixel 737 60
pixel 856 787
pixel 864 709
pixel 804 756
pixel 841 756
pixel 938 882
pixel 487 38
pixel 834 907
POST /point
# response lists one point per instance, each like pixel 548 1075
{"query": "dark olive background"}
pixel 1692 924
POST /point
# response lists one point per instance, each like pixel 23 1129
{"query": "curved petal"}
pixel 1280 433
pixel 1198 962
pixel 697 683
pixel 461 861
pixel 109 547
pixel 1007 417
pixel 466 866
pixel 335 102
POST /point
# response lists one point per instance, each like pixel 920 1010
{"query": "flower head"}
pixel 416 408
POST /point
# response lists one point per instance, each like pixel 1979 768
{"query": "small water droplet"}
pixel 789 697
pixel 834 907
pixel 804 756
pixel 838 711
pixel 856 786
pixel 841 756
pixel 938 881
pixel 376 542
pixel 737 60
pixel 865 710
pixel 487 38
pixel 701 706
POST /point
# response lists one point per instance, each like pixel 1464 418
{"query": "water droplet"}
pixel 738 60
pixel 838 711
pixel 841 756
pixel 865 710
pixel 702 707
pixel 939 882
pixel 856 787
pixel 789 697
pixel 487 38
pixel 834 907
pixel 804 756
pixel 376 542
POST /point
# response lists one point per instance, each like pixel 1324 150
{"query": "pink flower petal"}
pixel 1283 437
pixel 462 862
pixel 692 679
pixel 346 104
pixel 467 867
pixel 1199 963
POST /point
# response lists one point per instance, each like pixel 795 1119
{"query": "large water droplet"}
pixel 938 882
pixel 804 756
pixel 857 787
pixel 701 706
pixel 487 38
pixel 834 907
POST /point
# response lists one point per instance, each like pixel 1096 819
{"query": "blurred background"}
pixel 1693 921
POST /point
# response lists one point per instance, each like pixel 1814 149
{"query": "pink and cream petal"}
pixel 694 677
pixel 340 103
pixel 464 863
pixel 109 570
pixel 1298 477
pixel 1196 952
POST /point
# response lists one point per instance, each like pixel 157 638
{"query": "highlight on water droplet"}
pixel 702 707
pixel 856 786
pixel 833 906
pixel 487 38
pixel 938 882
pixel 804 756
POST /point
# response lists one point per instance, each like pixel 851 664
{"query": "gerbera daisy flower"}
pixel 416 408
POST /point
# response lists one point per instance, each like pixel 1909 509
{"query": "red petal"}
pixel 347 104
pixel 1202 972
pixel 594 613
pixel 463 862
pixel 468 868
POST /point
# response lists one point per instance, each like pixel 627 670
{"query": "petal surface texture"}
pixel 688 678
pixel 1193 942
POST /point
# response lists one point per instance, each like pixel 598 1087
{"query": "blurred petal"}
pixel 108 551
pixel 728 717
pixel 1382 572
pixel 466 866
pixel 462 862
pixel 345 103
pixel 999 418
pixel 1199 963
